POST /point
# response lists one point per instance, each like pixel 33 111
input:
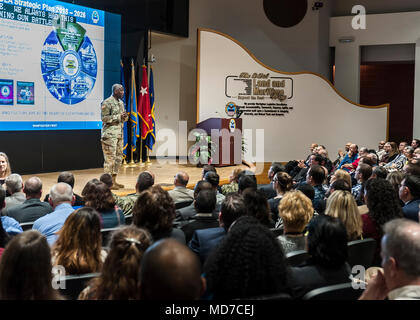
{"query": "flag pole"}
pixel 148 159
pixel 141 163
pixel 132 164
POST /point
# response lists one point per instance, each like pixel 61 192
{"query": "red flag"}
pixel 144 110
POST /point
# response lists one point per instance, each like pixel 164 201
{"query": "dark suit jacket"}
pixel 274 208
pixel 29 211
pixel 268 190
pixel 184 215
pixel 205 240
pixel 199 222
pixel 411 210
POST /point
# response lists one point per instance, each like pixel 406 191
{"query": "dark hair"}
pixel 413 169
pixel 98 196
pixel 213 178
pixel 320 159
pixel 66 177
pixel 107 179
pixel 365 170
pixel 367 160
pixel 119 279
pixel 380 172
pixel 317 173
pixel 4 237
pixel 205 201
pixel 341 184
pixel 248 262
pixel 246 181
pixel 202 185
pixel 25 268
pixel 154 210
pixel 144 181
pixel 257 206
pixel 417 142
pixel 413 184
pixel 382 202
pixel 233 207
pixel 307 190
pixel 2 197
pixel 284 181
pixel 277 167
pixel 208 168
pixel 327 241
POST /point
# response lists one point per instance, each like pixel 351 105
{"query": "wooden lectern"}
pixel 232 131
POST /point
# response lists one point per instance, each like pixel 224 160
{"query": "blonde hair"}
pixel 8 169
pixel 342 174
pixel 341 204
pixel 296 210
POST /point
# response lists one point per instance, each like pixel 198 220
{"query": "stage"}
pixel 164 175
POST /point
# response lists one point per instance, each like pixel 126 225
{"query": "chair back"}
pixel 129 219
pixel 75 284
pixel 361 252
pixel 183 204
pixel 26 225
pixel 106 235
pixel 273 297
pixel 342 291
pixel 277 231
pixel 296 258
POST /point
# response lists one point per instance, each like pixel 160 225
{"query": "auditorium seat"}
pixel 361 252
pixel 27 225
pixel 74 284
pixel 342 291
pixel 106 235
pixel 128 219
pixel 183 204
pixel 296 258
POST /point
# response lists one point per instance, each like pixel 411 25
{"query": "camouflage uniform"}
pixel 112 134
pixel 126 204
pixel 231 187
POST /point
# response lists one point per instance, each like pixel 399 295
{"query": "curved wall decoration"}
pixel 293 109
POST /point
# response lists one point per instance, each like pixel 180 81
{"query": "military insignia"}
pixel 230 109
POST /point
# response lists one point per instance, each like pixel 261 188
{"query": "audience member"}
pixel 145 180
pixel 170 271
pixel 10 225
pixel 362 175
pixel 341 174
pixel 25 269
pixel 79 245
pixel 14 187
pixel 119 279
pixel 4 238
pixel 282 183
pixel 391 149
pixel 205 240
pixel 247 179
pixel 295 211
pixel 233 182
pixel 205 218
pixel 5 169
pixel 32 208
pixel 327 246
pixel 409 154
pixel 381 151
pixel 257 206
pixel 409 193
pixel 400 251
pixel 341 205
pixel 213 178
pixel 181 193
pixel 315 178
pixel 249 262
pixel 347 162
pixel 415 143
pixel 61 200
pixel 98 196
pixel 395 179
pixel 107 179
pixel 154 210
pixel 68 177
pixel 379 173
pixel 268 189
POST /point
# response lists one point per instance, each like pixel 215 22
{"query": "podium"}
pixel 228 142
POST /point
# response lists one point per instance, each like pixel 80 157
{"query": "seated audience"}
pixel 68 177
pixel 315 178
pixel 362 175
pixel 10 225
pixel 14 187
pixel 119 279
pixel 145 180
pixel 282 183
pixel 5 168
pixel 248 262
pixel 381 151
pixel 295 210
pixel 410 194
pixel 4 238
pixel 205 218
pixel 79 245
pixel 170 271
pixel 392 152
pixel 233 182
pixel 154 210
pixel 98 196
pixel 341 174
pixel 327 246
pixel 213 178
pixel 25 269
pixel 32 208
pixel 400 278
pixel 181 193
pixel 379 172
pixel 61 200
pixel 205 240
pixel 412 169
pixel 341 204
pixel 107 179
pixel 395 179
pixel 409 154
pixel 247 179
pixel 347 162
pixel 268 189
pixel 257 206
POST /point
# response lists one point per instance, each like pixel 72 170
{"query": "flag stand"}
pixel 141 163
pixel 132 164
pixel 148 159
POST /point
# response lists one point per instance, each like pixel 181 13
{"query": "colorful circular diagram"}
pixel 68 63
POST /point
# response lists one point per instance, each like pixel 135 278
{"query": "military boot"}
pixel 115 183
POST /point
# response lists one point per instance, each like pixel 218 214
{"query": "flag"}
pixel 132 109
pixel 144 107
pixel 125 132
pixel 151 137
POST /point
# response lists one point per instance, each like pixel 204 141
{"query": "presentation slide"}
pixel 51 65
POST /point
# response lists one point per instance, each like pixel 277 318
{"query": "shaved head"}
pixel 170 270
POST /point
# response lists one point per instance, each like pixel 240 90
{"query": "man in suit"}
pixel 181 193
pixel 14 186
pixel 32 208
pixel 268 189
pixel 205 240
pixel 409 193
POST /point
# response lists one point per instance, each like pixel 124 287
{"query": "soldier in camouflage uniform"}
pixel 113 117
